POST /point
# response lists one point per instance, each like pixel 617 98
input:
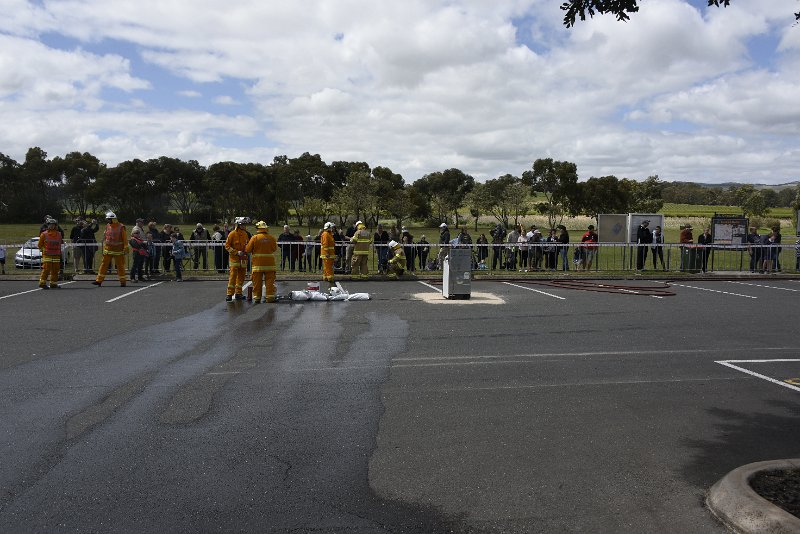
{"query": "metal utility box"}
pixel 457 273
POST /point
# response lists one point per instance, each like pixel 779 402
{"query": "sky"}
pixel 682 91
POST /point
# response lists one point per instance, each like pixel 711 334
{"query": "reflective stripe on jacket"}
pixel 328 246
pixel 362 240
pixel 235 243
pixel 263 247
pixel 50 243
pixel 114 239
pixel 399 258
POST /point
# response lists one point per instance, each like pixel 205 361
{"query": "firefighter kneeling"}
pixel 397 262
pixel 262 247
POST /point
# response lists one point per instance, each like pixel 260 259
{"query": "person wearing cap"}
pixel 361 241
pixel 643 240
pixel 262 248
pixel 444 241
pixel 397 261
pixel 328 251
pixel 139 253
pixel 235 244
pixel 115 247
pixel 200 250
pixel 588 249
pixel 50 242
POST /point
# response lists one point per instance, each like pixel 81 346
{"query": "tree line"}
pixel 309 191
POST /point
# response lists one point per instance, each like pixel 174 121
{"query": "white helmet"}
pixel 359 222
pixel 328 225
pixel 443 225
pixel 393 243
pixel 111 215
pixel 240 220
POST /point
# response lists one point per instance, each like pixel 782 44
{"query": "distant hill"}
pixel 726 185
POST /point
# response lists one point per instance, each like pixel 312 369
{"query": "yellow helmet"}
pixel 261 225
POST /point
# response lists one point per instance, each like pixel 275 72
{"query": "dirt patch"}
pixel 781 488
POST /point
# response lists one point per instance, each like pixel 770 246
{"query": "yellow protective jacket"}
pixel 115 239
pixel 237 242
pixel 362 240
pixel 328 244
pixel 50 244
pixel 399 258
pixel 263 247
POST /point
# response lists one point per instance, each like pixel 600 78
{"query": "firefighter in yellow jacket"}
pixel 397 260
pixel 328 251
pixel 235 244
pixel 263 246
pixel 361 240
pixel 50 242
pixel 115 246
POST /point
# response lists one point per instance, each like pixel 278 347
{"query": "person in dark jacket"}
pixel 643 240
pixel 88 242
pixel 381 243
pixel 284 239
pixel 407 239
pixel 705 239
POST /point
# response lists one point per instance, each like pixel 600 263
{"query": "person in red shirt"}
pixel 590 240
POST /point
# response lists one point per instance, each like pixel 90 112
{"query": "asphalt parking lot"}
pixel 532 407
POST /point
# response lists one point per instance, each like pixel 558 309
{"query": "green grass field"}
pixel 691 210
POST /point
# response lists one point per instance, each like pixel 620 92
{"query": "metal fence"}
pixel 304 257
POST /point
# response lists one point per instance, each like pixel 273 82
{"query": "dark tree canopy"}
pixel 619 8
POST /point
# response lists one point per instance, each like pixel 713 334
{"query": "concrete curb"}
pixel 739 507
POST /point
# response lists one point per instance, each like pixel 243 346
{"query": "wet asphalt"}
pixel 169 409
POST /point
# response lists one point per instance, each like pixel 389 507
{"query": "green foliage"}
pixel 558 182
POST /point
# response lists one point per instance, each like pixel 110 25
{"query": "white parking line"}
pixel 535 291
pixel 30 291
pixel 768 287
pixel 430 286
pixel 716 291
pixel 134 291
pixel 730 363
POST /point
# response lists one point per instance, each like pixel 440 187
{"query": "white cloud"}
pixel 413 85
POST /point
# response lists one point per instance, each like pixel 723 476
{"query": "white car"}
pixel 30 257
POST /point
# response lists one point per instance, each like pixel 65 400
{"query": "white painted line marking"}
pixel 246 285
pixel 768 287
pixel 730 363
pixel 535 291
pixel 134 291
pixel 31 291
pixel 717 291
pixel 430 286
